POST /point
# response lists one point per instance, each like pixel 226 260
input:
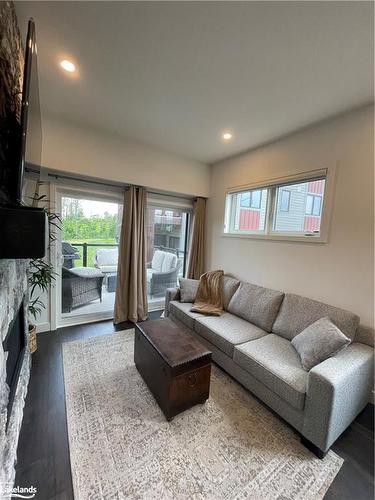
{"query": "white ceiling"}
pixel 176 74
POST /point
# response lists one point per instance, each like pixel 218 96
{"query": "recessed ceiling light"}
pixel 227 136
pixel 67 66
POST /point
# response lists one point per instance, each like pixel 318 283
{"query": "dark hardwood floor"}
pixel 43 454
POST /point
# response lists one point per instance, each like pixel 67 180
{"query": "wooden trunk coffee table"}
pixel 173 363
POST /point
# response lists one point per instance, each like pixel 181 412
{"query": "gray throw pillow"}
pixel 188 289
pixel 319 341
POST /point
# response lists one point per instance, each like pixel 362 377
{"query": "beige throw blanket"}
pixel 209 298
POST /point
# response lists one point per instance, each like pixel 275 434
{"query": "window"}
pixel 281 209
pixel 251 199
pixel 313 204
pixel 249 211
pixel 284 200
pixel 167 241
pixel 90 232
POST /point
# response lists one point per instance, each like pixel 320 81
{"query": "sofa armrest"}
pixel 338 389
pixel 170 294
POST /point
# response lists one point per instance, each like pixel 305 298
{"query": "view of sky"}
pixel 91 207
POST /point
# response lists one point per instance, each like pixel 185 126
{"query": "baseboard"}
pixel 43 327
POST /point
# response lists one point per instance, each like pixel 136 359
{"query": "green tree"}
pixel 79 227
pixel 71 207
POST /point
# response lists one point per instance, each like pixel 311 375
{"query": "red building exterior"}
pixel 312 222
pixel 249 217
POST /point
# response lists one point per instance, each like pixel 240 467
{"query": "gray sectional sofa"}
pixel 251 340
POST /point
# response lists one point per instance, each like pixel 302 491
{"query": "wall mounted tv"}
pixel 23 230
pixel 21 136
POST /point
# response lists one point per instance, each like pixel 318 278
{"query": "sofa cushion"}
pixel 157 260
pixel 181 311
pixel 318 342
pixel 297 313
pixel 169 262
pixel 226 331
pixel 256 304
pixel 273 361
pixel 230 285
pixel 188 289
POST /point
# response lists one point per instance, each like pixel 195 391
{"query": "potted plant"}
pixel 41 273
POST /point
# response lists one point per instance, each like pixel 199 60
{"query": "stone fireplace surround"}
pixel 13 273
pixel 13 291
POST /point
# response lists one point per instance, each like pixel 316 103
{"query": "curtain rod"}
pixel 101 183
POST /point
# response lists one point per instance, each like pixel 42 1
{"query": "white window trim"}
pixel 326 210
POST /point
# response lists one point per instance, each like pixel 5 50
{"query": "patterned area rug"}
pixel 121 446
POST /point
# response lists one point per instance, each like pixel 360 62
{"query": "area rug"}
pixel 232 447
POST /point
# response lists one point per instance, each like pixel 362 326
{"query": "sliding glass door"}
pixel 90 230
pixel 87 253
pixel 167 241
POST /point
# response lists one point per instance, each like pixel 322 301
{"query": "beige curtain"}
pixel 131 290
pixel 195 267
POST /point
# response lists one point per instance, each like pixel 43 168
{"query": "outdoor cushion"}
pixel 157 260
pixel 169 262
pixel 318 342
pixel 181 311
pixel 274 362
pixel 256 304
pixel 108 269
pixel 230 285
pixel 106 257
pixel 188 289
pixel 226 331
pixel 86 272
pixel 297 313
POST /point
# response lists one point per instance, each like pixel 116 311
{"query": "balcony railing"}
pixel 180 253
pixel 85 246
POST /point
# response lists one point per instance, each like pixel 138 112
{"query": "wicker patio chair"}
pixel 80 286
pixel 162 273
pixel 70 254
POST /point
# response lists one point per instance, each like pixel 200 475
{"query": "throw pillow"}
pixel 319 341
pixel 188 289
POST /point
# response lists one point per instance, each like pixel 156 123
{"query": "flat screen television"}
pixel 23 229
pixel 21 136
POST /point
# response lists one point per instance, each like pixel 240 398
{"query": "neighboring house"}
pixel 299 208
pixel 315 191
pixel 166 228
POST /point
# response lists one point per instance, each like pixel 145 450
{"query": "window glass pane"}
pixel 284 200
pixel 245 199
pixel 304 210
pixel 90 232
pixel 166 238
pixel 309 204
pixel 316 205
pixel 256 197
pixel 247 218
